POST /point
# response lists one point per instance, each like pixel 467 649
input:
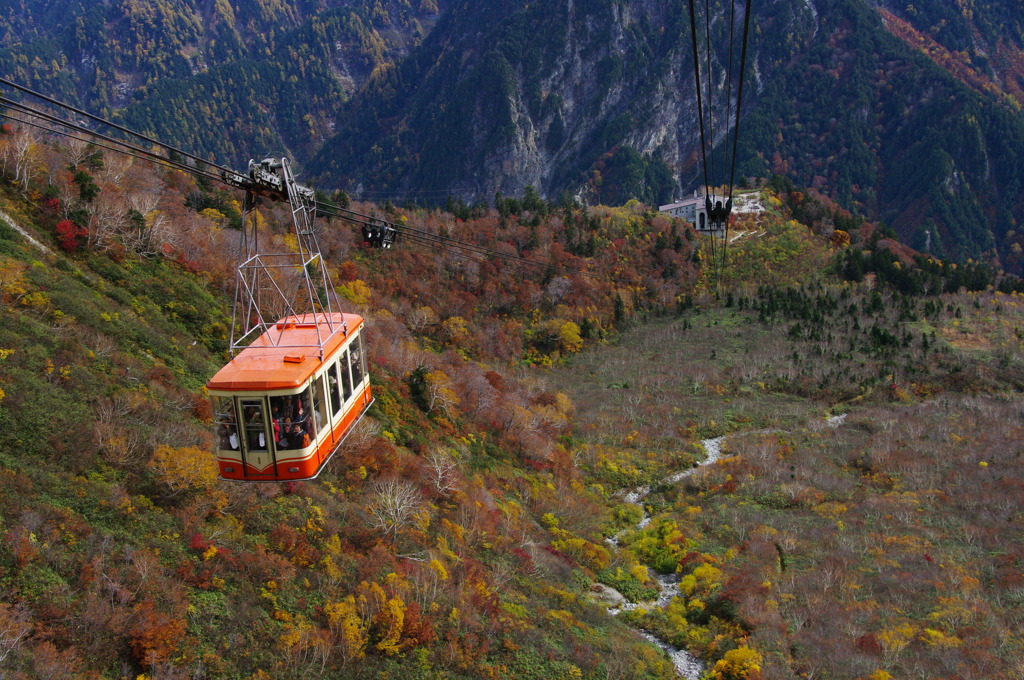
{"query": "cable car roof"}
pixel 285 356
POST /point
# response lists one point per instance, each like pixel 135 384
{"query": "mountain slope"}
pixel 909 113
pixel 229 79
pixel 598 99
pixel 124 555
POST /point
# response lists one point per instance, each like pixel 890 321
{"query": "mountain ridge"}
pixel 905 113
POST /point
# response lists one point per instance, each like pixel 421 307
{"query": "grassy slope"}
pixel 116 559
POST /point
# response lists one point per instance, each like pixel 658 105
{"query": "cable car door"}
pixel 257 451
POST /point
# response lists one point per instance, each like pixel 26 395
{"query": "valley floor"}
pixel 884 544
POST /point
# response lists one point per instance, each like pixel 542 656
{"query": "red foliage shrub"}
pixel 198 542
pixel 496 380
pixel 869 644
pixel 525 560
pixel 294 545
pixel 418 629
pixel 201 410
pixel 69 235
pixel 347 271
pixel 22 546
pixel 154 635
pixel 261 565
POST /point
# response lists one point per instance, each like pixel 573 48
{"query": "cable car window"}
pixel 333 389
pixel 355 352
pixel 319 415
pixel 346 379
pixel 303 414
pixel 227 430
pixel 256 438
pixel 281 409
pixel 362 354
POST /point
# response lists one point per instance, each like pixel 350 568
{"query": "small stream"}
pixel 687 666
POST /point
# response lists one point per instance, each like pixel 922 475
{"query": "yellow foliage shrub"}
pixel 347 628
pixel 185 468
pixel 738 664
pixel 356 292
pixel 391 620
pixel 438 568
pixel 569 339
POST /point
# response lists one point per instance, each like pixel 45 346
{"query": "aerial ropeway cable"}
pixel 298 381
pixel 718 207
pixel 376 232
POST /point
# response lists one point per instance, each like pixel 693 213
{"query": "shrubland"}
pixel 881 544
pixel 460 531
pixel 450 536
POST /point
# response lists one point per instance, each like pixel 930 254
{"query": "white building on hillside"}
pixel 693 209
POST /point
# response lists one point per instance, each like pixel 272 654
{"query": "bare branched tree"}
pixel 442 470
pixel 393 504
pixel 15 624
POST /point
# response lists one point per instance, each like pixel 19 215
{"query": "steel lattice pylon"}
pixel 275 289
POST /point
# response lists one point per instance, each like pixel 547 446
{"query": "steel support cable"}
pixel 60 133
pixel 739 103
pixel 145 154
pixel 103 121
pixel 739 92
pixel 728 92
pixel 142 154
pixel 425 238
pixel 700 116
pixel 728 115
pixel 406 232
pixel 710 99
pixel 700 103
pixel 149 155
pixel 124 152
pixel 440 248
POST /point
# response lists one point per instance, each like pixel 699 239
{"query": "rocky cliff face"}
pixel 899 112
pixel 513 94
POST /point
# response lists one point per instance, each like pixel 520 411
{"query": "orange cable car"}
pixel 297 383
pixel 279 415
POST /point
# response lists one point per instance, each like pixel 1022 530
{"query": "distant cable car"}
pixel 298 382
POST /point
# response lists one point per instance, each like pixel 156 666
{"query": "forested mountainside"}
pixel 923 131
pixel 229 79
pixel 907 113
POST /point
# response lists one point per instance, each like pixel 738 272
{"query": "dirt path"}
pixel 28 237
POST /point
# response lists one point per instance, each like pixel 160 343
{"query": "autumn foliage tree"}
pixel 187 468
